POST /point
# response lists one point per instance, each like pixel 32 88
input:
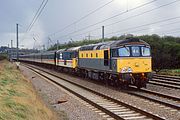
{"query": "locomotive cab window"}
pixel 135 50
pixel 145 51
pixel 123 52
pixel 114 53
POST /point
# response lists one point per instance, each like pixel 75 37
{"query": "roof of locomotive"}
pixel 69 49
pixel 73 48
pixel 112 44
pixel 60 50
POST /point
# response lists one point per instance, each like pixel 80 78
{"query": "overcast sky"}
pixel 57 14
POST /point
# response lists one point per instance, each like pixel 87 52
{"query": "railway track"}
pixel 168 76
pixel 167 100
pixel 157 97
pixel 163 99
pixel 166 81
pixel 113 108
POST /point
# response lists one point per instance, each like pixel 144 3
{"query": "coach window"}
pixel 91 55
pixel 86 55
pixel 97 55
pixel 70 55
pixel 82 55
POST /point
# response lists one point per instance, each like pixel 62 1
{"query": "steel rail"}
pixel 138 93
pixel 143 112
pixel 164 84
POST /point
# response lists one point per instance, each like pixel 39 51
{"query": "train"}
pixel 121 62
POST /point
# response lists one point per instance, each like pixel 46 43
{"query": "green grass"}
pixel 16 111
pixel 18 100
pixel 3 56
pixel 10 109
pixel 12 92
pixel 174 72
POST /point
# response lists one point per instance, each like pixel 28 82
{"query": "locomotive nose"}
pixel 136 64
pixel 139 65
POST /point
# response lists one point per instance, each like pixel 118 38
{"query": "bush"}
pixel 3 56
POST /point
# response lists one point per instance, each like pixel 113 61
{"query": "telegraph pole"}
pixel 57 45
pixel 11 43
pixel 34 43
pixel 48 44
pixel 17 42
pixel 49 40
pixel 102 33
pixel 89 37
pixel 43 47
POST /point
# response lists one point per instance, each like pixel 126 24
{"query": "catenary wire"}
pixel 144 12
pixel 164 20
pixel 35 15
pixel 164 5
pixel 38 15
pixel 144 28
pixel 132 9
pixel 77 21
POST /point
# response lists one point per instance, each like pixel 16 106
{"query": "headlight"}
pixel 123 70
pixel 129 69
pixel 126 70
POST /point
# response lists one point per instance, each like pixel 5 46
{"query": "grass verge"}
pixel 18 100
pixel 174 72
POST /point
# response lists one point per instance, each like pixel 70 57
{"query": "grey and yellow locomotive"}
pixel 121 62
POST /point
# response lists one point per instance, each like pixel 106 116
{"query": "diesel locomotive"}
pixel 122 62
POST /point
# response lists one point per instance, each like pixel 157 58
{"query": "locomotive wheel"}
pixel 106 79
pixel 101 77
pixel 139 85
